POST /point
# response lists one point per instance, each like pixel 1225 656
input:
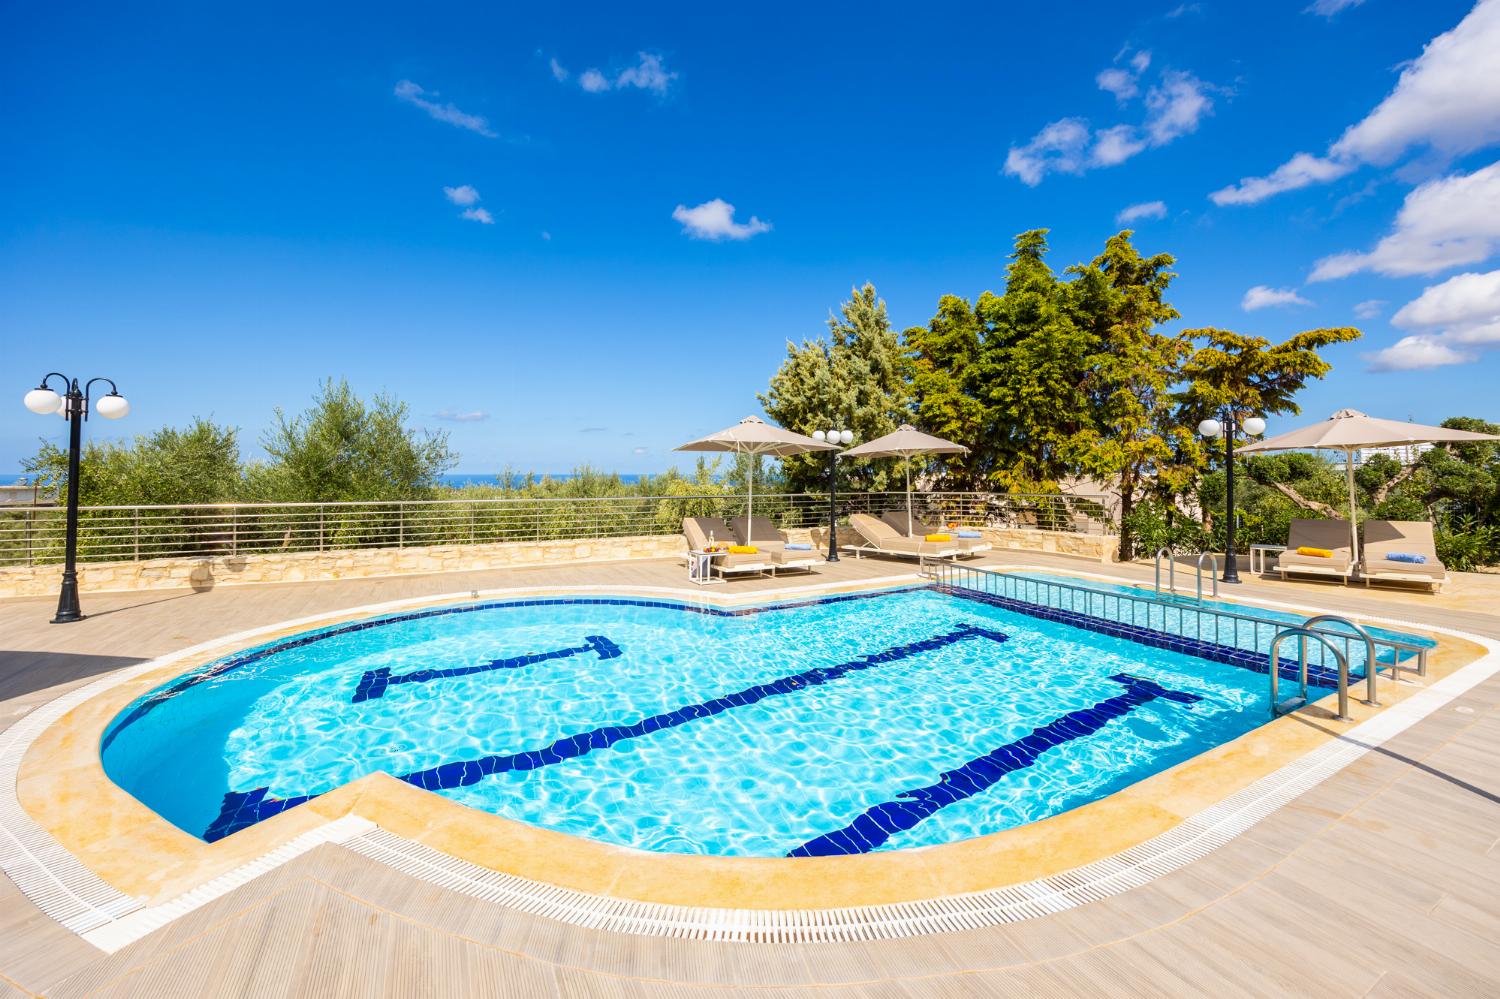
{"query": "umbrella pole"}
pixel 1353 510
pixel 907 459
pixel 750 510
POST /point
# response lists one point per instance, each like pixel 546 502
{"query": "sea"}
pixel 450 479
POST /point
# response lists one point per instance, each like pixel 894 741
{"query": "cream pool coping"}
pixel 142 862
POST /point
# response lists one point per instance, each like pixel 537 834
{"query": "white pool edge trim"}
pixel 67 891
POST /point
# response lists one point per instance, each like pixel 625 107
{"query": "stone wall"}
pixel 238 570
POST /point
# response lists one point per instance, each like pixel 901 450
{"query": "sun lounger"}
pixel 921 528
pixel 766 536
pixel 1332 535
pixel 1384 538
pixel 879 538
pixel 698 529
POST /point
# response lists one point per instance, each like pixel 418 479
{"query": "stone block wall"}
pixel 202 573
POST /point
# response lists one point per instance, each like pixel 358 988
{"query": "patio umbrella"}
pixel 755 436
pixel 1349 431
pixel 904 442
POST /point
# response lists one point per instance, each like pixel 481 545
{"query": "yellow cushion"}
pixel 1315 552
pixel 939 537
pixel 743 549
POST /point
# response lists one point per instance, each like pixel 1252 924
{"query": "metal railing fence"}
pixel 34 535
pixel 1242 628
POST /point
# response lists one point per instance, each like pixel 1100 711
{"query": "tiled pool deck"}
pixel 1384 879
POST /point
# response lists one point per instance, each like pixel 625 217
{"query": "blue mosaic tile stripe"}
pixel 229 665
pixel 242 809
pixel 375 682
pixel 1258 662
pixel 878 824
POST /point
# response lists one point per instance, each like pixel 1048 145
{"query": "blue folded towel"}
pixel 1411 557
pixel 798 546
pixel 970 534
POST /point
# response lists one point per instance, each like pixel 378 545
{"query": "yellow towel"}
pixel 743 549
pixel 939 537
pixel 1315 552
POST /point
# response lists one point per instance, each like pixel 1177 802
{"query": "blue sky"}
pixel 517 220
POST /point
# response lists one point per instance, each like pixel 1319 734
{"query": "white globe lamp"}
pixel 846 436
pixel 1211 429
pixel 43 401
pixel 1255 426
pixel 820 436
pixel 112 406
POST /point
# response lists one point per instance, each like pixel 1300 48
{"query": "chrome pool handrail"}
pixel 1084 599
pixel 1302 635
pixel 1213 575
pixel 1171 570
pixel 1372 664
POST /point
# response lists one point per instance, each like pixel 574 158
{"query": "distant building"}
pixel 1402 454
pixel 28 495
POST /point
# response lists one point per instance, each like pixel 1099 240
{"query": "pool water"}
pixel 878 721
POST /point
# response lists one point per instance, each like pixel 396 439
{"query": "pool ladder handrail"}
pixel 1171 570
pixel 1302 634
pixel 1213 574
pixel 1372 665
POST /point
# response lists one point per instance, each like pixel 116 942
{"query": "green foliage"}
pixel 855 380
pixel 1132 438
pixel 1467 545
pixel 1155 525
pixel 199 463
pixel 343 448
pixel 1250 375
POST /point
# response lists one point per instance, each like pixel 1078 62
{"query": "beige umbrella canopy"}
pixel 1349 431
pixel 905 442
pixel 752 435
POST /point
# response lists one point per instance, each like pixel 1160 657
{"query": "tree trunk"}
pixel 1127 504
pixel 1303 501
pixel 1385 490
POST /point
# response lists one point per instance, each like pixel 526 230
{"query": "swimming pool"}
pixel 847 724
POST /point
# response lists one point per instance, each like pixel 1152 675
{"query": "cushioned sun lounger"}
pixel 1384 538
pixel 698 529
pixel 896 519
pixel 879 538
pixel 1330 535
pixel 766 536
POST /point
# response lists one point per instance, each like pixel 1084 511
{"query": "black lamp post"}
pixel 73 406
pixel 845 437
pixel 1228 428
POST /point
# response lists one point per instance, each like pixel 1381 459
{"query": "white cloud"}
pixel 414 95
pixel 464 194
pixel 1264 297
pixel 1144 210
pixel 460 417
pixel 649 73
pixel 1447 99
pixel 480 215
pixel 1058 147
pixel 1449 321
pixel 1448 222
pixel 559 71
pixel 1120 82
pixel 1184 8
pixel 1174 107
pixel 1328 8
pixel 1412 353
pixel 640 450
pixel 1370 308
pixel 1300 171
pixel 1140 61
pixel 1115 145
pixel 715 220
